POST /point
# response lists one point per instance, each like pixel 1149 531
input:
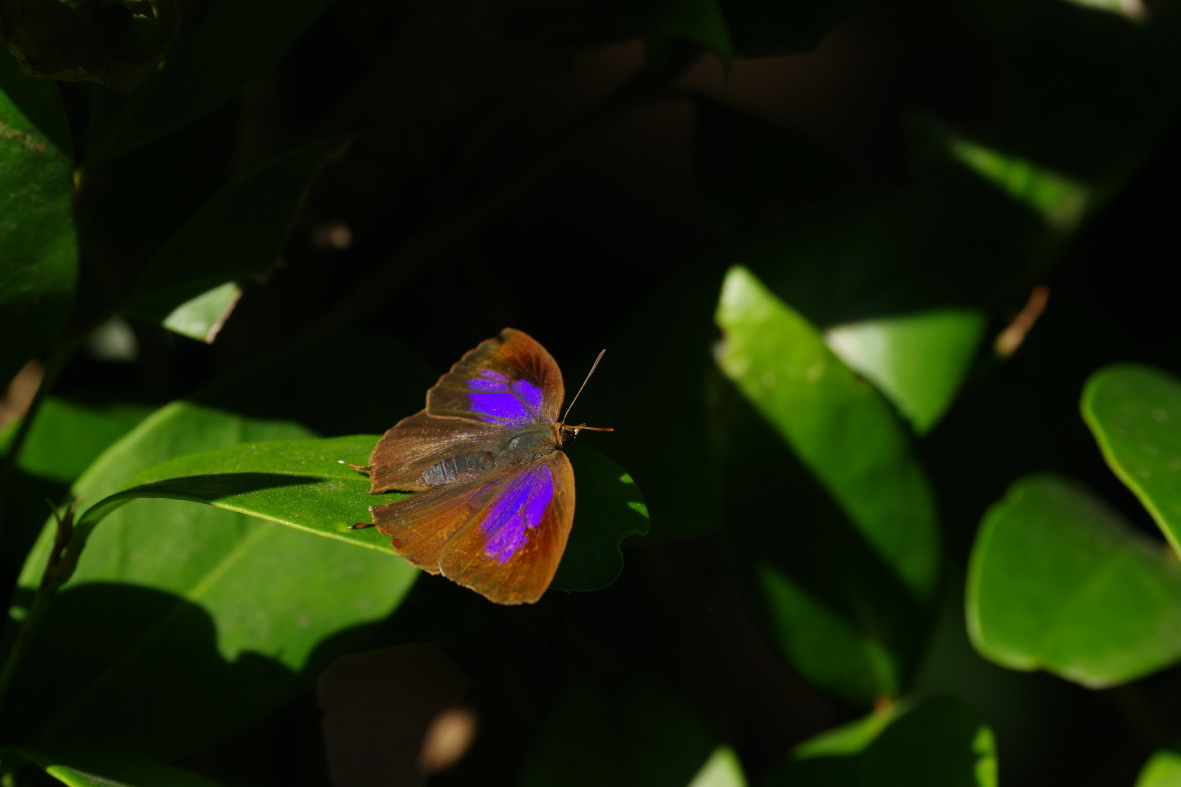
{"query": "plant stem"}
pixel 53 367
pixel 68 542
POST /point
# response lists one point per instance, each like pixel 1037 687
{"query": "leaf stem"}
pixel 53 368
pixel 68 541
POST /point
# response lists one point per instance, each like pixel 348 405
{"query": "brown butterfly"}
pixel 495 492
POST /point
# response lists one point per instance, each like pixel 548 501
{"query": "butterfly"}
pixel 494 499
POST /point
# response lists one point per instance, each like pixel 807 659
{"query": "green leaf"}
pixel 917 360
pixel 38 265
pixel 899 285
pixel 1060 200
pixel 845 577
pixel 298 483
pixel 1162 770
pixel 608 509
pixel 190 284
pixel 233 44
pixel 938 741
pixel 1135 414
pixel 627 733
pixel 303 484
pixel 69 434
pixel 1058 581
pixel 722 769
pixel 247 612
pixel 66 436
pixel 87 766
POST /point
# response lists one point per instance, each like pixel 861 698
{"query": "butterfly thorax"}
pixel 533 442
pixel 521 448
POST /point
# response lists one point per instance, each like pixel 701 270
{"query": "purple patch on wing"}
pixel 519 507
pixel 494 397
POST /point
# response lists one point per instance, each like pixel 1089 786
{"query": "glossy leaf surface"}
pixel 842 267
pixel 846 575
pixel 1059 581
pixel 303 484
pixel 1135 414
pixel 249 612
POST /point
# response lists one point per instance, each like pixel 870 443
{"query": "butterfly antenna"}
pixel 594 366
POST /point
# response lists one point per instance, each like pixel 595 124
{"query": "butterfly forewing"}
pixel 508 381
pixel 406 453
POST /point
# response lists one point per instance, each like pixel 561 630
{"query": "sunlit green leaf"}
pixel 1058 581
pixel 305 485
pixel 1162 770
pixel 845 579
pixel 246 611
pixel 938 741
pixel 79 765
pixel 897 284
pixel 1135 415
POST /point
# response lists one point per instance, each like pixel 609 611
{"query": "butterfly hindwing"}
pixel 510 550
pixel 502 537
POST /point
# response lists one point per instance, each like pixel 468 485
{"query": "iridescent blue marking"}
pixel 495 398
pixel 520 507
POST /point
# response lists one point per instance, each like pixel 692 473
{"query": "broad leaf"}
pixel 305 485
pixel 86 766
pixel 1058 581
pixel 899 285
pixel 939 741
pixel 246 611
pixel 38 265
pixel 1162 770
pixel 66 436
pixel 1135 414
pixel 834 520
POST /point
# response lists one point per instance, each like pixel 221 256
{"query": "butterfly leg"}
pixel 358 468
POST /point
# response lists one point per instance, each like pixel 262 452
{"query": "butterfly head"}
pixel 565 432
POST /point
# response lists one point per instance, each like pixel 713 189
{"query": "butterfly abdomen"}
pixel 457 468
